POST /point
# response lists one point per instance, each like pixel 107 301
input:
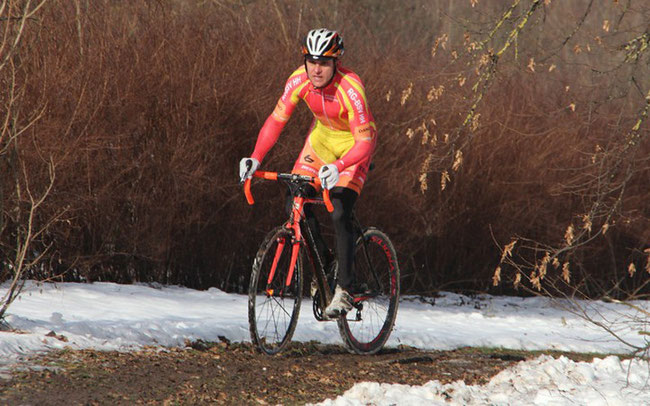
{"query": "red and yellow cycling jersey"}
pixel 343 131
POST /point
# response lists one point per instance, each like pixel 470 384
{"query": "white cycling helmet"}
pixel 322 44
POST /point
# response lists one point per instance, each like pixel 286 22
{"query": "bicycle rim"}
pixel 273 308
pixel 366 327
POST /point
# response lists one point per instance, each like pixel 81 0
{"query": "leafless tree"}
pixel 20 200
pixel 605 179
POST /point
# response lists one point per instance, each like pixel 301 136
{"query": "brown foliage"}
pixel 150 105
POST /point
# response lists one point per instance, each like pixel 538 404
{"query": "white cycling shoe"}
pixel 341 303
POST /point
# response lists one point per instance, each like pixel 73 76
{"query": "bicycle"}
pixel 276 284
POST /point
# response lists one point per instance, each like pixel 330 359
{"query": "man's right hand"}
pixel 247 167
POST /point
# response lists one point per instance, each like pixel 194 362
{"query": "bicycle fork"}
pixel 296 240
pixel 295 249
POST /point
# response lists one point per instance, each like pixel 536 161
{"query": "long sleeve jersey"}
pixel 339 108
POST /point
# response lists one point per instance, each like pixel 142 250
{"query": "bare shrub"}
pixel 24 189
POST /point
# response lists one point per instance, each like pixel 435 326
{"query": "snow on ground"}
pixel 543 381
pixel 109 316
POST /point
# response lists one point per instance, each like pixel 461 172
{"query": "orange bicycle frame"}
pixel 296 216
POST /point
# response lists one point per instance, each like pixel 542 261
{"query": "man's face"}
pixel 320 72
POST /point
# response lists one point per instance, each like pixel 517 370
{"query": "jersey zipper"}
pixel 322 97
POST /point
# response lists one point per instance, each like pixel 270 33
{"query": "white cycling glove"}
pixel 247 167
pixel 329 176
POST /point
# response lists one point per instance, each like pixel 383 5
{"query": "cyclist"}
pixel 338 148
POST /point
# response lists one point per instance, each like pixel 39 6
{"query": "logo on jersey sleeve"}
pixel 364 133
pixel 357 104
pixel 280 112
pixel 291 85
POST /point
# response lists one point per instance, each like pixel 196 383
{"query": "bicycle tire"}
pixel 366 328
pixel 273 310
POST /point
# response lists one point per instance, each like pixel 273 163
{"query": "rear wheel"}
pixel 368 325
pixel 273 307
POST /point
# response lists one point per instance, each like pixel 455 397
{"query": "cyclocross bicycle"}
pixel 276 285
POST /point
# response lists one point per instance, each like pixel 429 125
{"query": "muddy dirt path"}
pixel 225 373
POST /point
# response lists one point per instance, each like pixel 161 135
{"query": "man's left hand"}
pixel 328 175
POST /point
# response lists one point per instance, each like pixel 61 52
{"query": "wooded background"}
pixel 512 154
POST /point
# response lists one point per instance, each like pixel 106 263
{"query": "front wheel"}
pixel 368 325
pixel 274 296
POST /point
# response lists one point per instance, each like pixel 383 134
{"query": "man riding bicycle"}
pixel 338 148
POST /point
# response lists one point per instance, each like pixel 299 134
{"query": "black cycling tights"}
pixel 343 200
